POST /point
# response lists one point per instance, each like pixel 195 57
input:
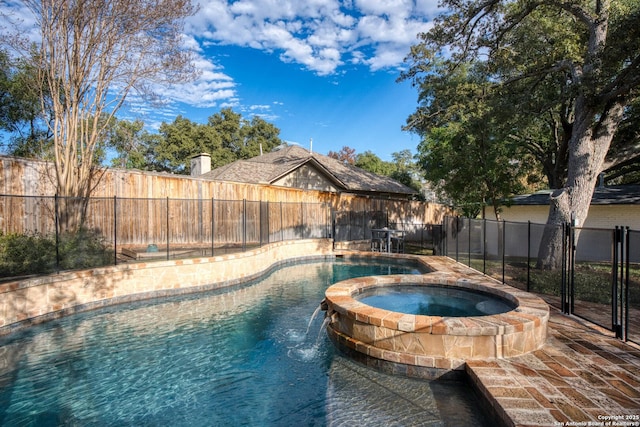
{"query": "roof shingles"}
pixel 269 167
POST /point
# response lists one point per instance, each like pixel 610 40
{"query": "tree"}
pixel 91 55
pixel 20 109
pixel 405 170
pixel 226 136
pixel 372 163
pixel 259 136
pixel 135 147
pixel 345 155
pixel 623 161
pixel 465 152
pixel 241 137
pixel 593 49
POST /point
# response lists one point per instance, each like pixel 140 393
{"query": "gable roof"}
pixel 614 195
pixel 270 167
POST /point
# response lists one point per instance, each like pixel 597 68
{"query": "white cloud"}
pixel 428 8
pixel 386 56
pixel 399 31
pixel 259 107
pixel 211 87
pixel 385 7
pixel 322 35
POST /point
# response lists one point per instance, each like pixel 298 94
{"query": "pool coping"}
pixel 30 301
pixel 435 341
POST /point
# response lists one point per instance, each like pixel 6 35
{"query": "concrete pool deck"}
pixel 580 376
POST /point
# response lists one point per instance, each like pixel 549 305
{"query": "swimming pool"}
pixel 238 357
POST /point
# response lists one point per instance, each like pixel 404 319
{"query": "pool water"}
pixel 238 357
pixel 435 301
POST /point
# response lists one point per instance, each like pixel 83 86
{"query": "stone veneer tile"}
pixel 524 370
pixel 391 319
pixel 539 397
pixel 483 364
pixel 573 412
pixel 597 369
pixel 627 377
pixel 567 362
pixel 560 417
pixel 459 347
pixel 424 324
pixel 552 378
pixel 483 347
pixel 625 388
pixel 510 392
pixel 439 327
pixel 559 369
pixel 577 398
pixel 492 381
pixel 611 357
pixel 364 314
pixel 407 323
pixel 620 398
pixel 425 360
pixel 591 378
pixel 522 403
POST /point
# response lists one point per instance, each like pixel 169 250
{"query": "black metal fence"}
pixel 354 226
pixel 594 274
pixel 114 230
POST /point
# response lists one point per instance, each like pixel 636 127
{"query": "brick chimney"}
pixel 200 164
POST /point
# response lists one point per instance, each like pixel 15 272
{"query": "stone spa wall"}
pixel 435 342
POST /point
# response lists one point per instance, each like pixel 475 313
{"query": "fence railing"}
pixel 117 229
pixel 354 226
pixel 595 274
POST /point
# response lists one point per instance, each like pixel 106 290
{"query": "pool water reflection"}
pixel 435 301
pixel 238 357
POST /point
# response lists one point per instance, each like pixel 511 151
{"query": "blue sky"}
pixel 358 108
pixel 318 69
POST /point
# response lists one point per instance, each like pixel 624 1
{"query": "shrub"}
pixel 26 254
pixel 22 254
pixel 83 249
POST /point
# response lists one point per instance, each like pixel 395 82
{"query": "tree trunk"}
pixel 588 147
pixel 597 116
pixel 551 246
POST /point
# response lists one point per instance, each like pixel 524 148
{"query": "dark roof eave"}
pixel 602 196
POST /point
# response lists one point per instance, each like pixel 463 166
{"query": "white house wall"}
pixel 600 216
pixel 595 240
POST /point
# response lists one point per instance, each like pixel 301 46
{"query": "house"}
pixel 295 167
pixel 610 206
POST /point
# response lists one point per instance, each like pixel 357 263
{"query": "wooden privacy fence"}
pixel 206 223
pixel 134 210
pixel 27 205
pixel 20 177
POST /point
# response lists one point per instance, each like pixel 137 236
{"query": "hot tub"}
pixel 442 342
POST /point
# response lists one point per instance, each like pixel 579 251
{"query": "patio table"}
pixel 382 240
